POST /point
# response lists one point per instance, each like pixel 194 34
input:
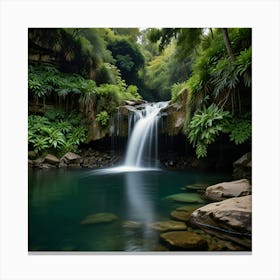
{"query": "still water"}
pixel 60 199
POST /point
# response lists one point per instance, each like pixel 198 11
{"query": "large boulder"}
pixel 99 218
pixel 163 226
pixel 51 159
pixel 183 240
pixel 222 191
pixel 230 219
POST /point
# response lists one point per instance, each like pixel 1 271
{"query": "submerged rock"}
pixel 182 213
pixel 99 218
pixel 230 219
pixel 168 226
pixel 132 224
pixel 196 187
pixel 186 198
pixel 183 240
pixel 222 191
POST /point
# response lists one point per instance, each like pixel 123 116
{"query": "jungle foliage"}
pixel 219 87
pixel 55 132
pixel 91 71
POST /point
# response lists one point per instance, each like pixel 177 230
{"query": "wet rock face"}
pixel 243 167
pixel 222 191
pixel 183 240
pixel 230 219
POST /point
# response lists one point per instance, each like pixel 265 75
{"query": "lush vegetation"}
pixel 55 132
pixel 91 71
pixel 219 87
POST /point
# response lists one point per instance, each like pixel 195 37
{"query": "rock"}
pixel 132 225
pixel 186 198
pixel 38 162
pixel 222 191
pixel 230 219
pixel 74 165
pixel 32 155
pixel 99 218
pixel 134 102
pixel 71 156
pixel 46 166
pixel 183 240
pixel 51 159
pixel 163 226
pixel 243 167
pixel 196 187
pixel 124 110
pixel 62 165
pixel 182 213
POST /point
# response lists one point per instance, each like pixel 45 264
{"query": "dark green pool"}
pixel 59 199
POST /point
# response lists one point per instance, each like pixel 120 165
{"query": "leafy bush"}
pixel 205 126
pixel 103 118
pixel 240 129
pixel 176 89
pixel 50 134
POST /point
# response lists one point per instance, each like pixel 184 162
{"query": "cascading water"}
pixel 142 146
pixel 142 149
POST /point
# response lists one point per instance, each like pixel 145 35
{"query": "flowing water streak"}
pixel 144 135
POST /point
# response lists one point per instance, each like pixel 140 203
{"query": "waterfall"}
pixel 143 142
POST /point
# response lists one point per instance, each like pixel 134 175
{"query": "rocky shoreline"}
pixel 88 159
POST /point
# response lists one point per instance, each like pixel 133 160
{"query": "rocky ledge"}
pixel 87 159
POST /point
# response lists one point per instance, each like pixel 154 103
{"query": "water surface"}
pixel 59 199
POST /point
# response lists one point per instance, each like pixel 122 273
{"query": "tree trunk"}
pixel 227 43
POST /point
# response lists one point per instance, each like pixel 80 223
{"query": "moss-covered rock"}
pixel 183 240
pixel 99 218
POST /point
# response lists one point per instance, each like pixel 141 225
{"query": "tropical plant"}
pixel 240 129
pixel 103 118
pixel 205 126
pixel 53 134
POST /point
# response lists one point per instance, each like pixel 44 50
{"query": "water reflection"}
pixel 141 211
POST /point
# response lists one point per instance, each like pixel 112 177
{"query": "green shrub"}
pixel 205 126
pixel 176 89
pixel 240 129
pixel 50 133
pixel 103 118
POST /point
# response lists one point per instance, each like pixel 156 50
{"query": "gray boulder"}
pixel 230 219
pixel 51 159
pixel 222 191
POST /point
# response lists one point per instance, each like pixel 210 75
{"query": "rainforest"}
pixel 139 139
